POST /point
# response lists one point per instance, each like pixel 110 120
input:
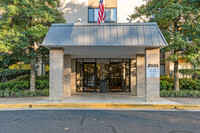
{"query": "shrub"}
pixel 184 93
pixel 27 78
pixel 45 77
pixel 23 85
pixel 42 84
pixel 23 93
pixel 167 78
pixel 194 72
pixel 189 71
pixel 9 74
pixel 189 84
pixel 166 83
pixel 21 78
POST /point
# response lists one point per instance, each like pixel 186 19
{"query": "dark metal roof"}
pixel 107 34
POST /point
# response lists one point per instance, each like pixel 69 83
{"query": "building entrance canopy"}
pixel 109 57
pixel 114 40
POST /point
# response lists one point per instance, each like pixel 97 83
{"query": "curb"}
pixel 105 106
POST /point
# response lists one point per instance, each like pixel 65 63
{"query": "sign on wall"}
pixel 152 70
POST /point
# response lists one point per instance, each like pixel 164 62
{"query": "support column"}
pixel 73 76
pixel 140 75
pixel 67 76
pixel 152 75
pixel 133 77
pixel 56 74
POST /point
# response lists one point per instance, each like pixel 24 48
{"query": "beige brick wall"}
pixel 75 9
pixel 133 77
pixel 67 76
pixel 152 56
pixel 73 76
pixel 107 3
pixel 140 75
pixel 126 8
pixel 56 74
pixel 110 3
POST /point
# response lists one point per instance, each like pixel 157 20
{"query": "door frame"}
pixel 95 76
pixel 110 76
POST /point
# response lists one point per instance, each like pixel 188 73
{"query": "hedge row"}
pixel 185 93
pixel 195 73
pixel 27 78
pixel 189 71
pixel 9 74
pixel 166 83
pixel 24 85
pixel 23 93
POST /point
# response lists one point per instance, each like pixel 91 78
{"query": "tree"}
pixel 178 21
pixel 23 26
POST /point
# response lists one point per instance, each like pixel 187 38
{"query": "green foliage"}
pixel 166 83
pixel 179 21
pixel 189 84
pixel 42 84
pixel 23 85
pixel 21 78
pixel 20 87
pixel 24 93
pixel 1 69
pixel 17 66
pixel 45 77
pixel 23 26
pixel 166 78
pixel 27 78
pixel 9 74
pixel 185 93
pixel 195 73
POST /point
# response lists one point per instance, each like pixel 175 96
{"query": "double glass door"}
pixel 89 78
pixel 90 75
pixel 116 77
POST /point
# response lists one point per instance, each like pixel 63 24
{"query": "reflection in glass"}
pixel 89 77
pixel 92 72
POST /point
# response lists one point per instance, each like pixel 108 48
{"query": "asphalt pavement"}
pixel 99 121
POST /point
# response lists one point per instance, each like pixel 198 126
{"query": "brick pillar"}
pixel 56 74
pixel 67 76
pixel 73 76
pixel 140 75
pixel 133 77
pixel 152 74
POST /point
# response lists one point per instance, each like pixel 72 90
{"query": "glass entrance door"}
pixel 89 77
pixel 116 77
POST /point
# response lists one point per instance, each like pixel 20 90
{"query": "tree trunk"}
pixel 32 77
pixel 176 76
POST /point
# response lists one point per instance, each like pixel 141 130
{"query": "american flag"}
pixel 101 15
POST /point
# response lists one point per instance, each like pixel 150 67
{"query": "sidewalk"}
pixel 100 101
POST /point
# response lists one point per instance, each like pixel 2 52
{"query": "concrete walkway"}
pixel 116 97
pixel 101 100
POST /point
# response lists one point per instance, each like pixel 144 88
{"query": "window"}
pixel 110 15
pixel 92 14
pixel 162 69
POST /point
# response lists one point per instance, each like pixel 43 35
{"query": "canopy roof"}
pixel 107 34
